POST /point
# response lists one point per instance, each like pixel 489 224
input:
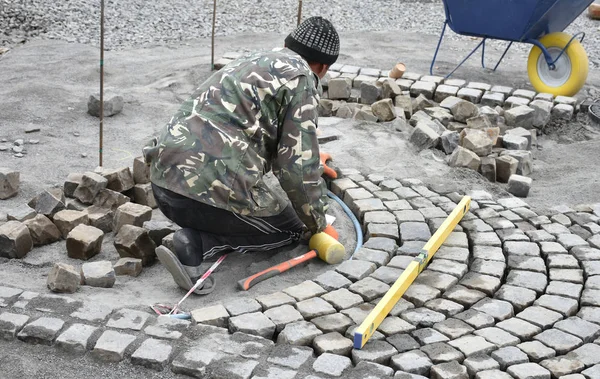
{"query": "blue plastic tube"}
pixel 357 228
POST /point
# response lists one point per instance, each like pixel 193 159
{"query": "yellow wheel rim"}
pixel 571 69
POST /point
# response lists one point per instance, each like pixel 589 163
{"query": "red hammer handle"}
pixel 246 284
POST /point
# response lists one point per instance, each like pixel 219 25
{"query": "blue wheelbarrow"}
pixel 557 63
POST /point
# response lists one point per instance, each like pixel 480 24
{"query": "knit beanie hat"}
pixel 316 40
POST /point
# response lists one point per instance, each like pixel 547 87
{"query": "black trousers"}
pixel 222 231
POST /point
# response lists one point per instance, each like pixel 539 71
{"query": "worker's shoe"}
pixel 188 248
pixel 181 273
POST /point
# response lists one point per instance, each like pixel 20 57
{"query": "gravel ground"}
pixel 142 22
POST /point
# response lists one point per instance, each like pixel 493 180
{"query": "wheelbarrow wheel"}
pixel 571 69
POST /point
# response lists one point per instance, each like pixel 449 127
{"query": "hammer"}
pixel 322 245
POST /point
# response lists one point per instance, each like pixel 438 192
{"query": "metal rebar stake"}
pixel 212 56
pixel 101 77
pixel 299 11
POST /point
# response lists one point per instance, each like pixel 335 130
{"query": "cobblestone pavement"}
pixel 511 293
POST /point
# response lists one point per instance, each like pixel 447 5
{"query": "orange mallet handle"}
pixel 246 284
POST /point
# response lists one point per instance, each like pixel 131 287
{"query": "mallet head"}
pixel 328 248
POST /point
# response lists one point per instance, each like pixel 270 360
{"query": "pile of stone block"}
pixel 489 129
pixel 81 212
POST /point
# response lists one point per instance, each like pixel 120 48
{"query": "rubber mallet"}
pixel 322 245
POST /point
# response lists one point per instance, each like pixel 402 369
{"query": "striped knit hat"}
pixel 316 40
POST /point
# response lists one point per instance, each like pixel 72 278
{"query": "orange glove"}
pixel 332 232
pixel 328 171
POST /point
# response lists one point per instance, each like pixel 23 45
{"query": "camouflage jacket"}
pixel 255 115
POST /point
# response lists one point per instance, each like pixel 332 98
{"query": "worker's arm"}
pixel 297 164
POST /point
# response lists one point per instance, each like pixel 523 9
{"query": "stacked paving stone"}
pixel 81 212
pixel 510 294
pixel 355 89
pixel 489 129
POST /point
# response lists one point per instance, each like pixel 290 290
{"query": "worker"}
pixel 256 115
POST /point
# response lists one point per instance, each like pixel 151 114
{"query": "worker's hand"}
pixel 332 232
pixel 328 171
